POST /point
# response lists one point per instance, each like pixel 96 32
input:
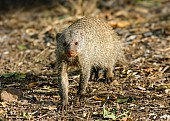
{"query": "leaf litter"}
pixel 139 91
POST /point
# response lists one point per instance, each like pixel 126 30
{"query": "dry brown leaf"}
pixel 124 119
pixel 115 82
pixel 119 23
pixel 123 24
pixel 150 69
pixel 142 10
pixel 121 13
pixel 112 23
pixel 2 112
pixel 32 84
pixel 30 31
pixel 98 98
pixel 139 19
pixel 4 104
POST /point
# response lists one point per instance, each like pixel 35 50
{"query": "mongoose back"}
pixel 87 42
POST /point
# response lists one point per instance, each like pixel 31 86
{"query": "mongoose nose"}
pixel 71 54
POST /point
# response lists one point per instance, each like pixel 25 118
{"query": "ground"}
pixel 138 92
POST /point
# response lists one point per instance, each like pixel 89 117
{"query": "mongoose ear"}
pixel 57 36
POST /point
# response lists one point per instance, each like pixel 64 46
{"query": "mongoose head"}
pixel 71 42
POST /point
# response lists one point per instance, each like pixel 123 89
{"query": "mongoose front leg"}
pixel 84 77
pixel 63 83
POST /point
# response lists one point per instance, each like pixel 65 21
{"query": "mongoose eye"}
pixel 76 43
pixel 64 43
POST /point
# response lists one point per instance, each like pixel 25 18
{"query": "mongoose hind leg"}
pixel 109 74
pixel 101 74
pixel 97 73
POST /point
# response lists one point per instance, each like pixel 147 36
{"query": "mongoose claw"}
pixel 62 108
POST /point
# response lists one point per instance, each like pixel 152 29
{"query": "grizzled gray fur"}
pixel 87 42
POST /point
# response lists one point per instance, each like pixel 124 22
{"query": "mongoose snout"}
pixel 72 53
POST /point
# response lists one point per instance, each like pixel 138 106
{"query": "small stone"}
pixel 10 94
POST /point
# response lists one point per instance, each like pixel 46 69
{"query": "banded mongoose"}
pixel 87 42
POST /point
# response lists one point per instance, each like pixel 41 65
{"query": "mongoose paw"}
pixel 80 98
pixel 109 79
pixel 81 91
pixel 82 94
pixel 106 80
pixel 62 108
